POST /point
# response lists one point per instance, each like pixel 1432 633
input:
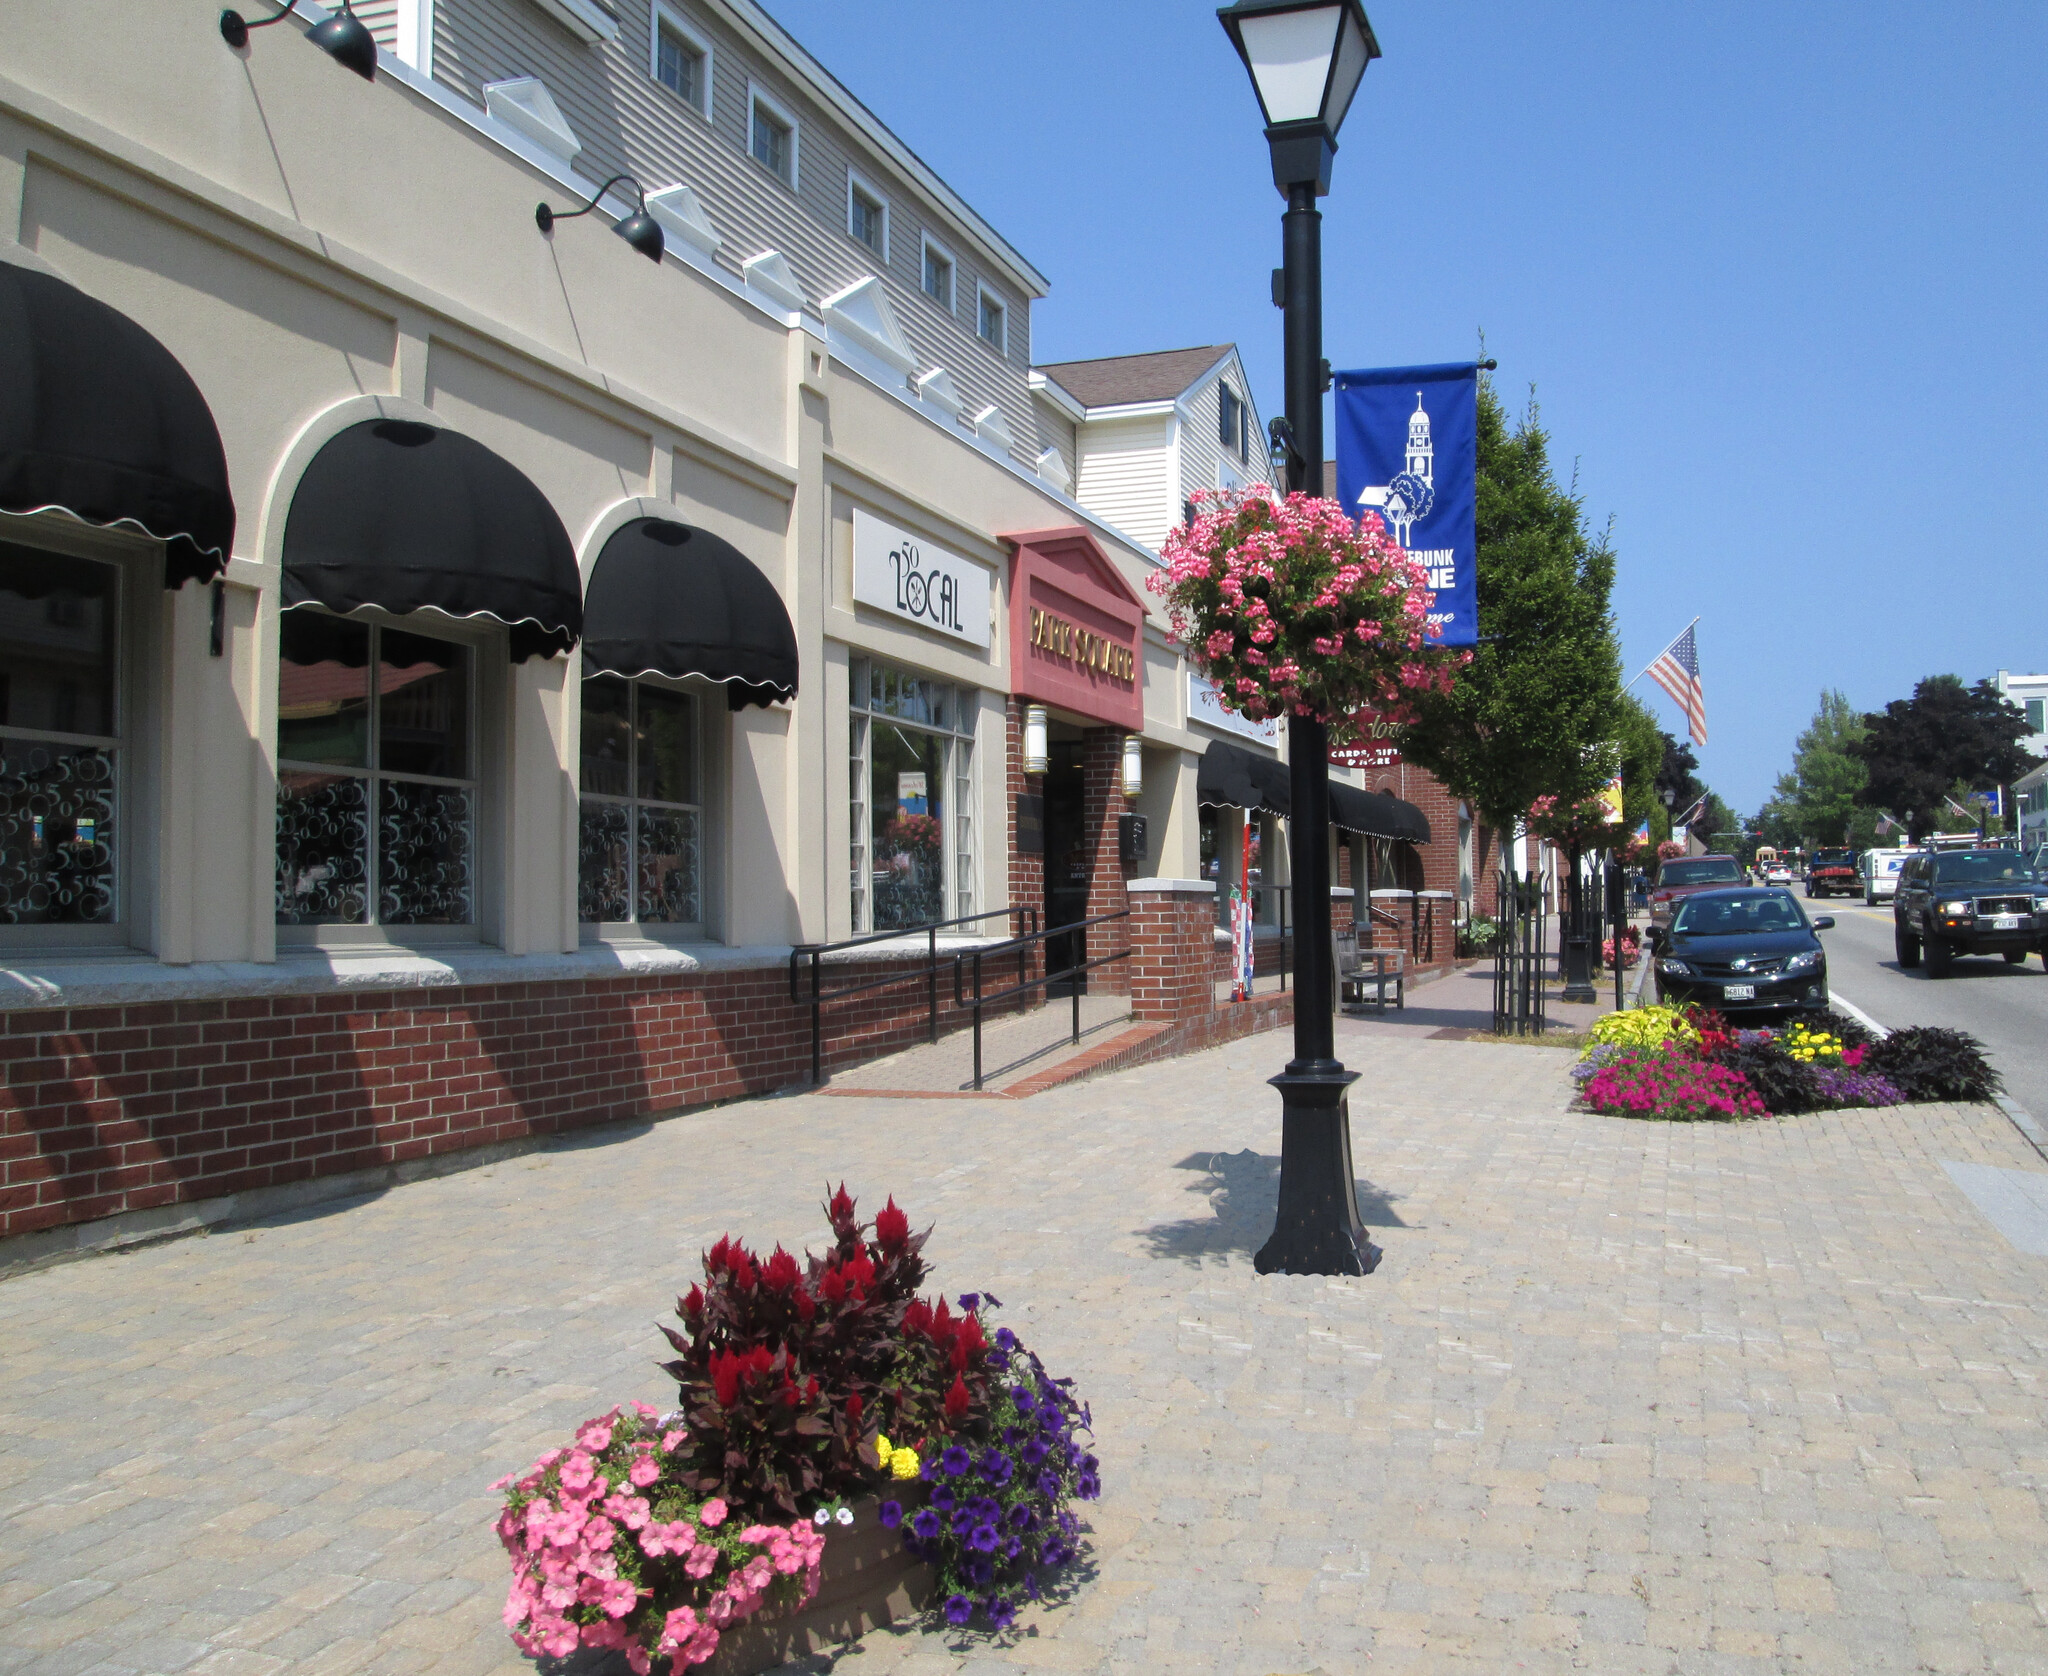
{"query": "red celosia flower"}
pixel 715 1258
pixel 741 1264
pixel 832 1287
pixel 956 1399
pixel 780 1273
pixel 811 1389
pixel 806 1306
pixel 860 1269
pixel 892 1227
pixel 692 1304
pixel 917 1319
pixel 841 1208
pixel 853 1408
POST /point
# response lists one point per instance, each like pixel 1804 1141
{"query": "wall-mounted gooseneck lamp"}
pixel 1035 760
pixel 638 229
pixel 341 36
pixel 1134 766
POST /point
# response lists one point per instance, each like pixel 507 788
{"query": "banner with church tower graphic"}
pixel 1408 449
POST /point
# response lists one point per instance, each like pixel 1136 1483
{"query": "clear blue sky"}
pixel 1776 273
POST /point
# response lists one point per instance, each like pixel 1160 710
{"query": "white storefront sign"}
pixel 1205 707
pixel 907 576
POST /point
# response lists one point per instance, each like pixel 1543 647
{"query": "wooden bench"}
pixel 1365 975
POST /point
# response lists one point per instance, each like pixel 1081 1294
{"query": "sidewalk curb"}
pixel 2023 1121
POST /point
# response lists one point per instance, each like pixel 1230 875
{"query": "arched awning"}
pixel 1377 814
pixel 669 599
pixel 408 516
pixel 1242 779
pixel 98 419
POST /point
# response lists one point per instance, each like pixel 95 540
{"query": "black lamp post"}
pixel 638 229
pixel 1306 58
pixel 341 35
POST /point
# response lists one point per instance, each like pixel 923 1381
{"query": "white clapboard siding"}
pixel 1126 476
pixel 380 17
pixel 629 123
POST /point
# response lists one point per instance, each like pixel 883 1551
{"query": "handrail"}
pixel 1025 984
pixel 820 996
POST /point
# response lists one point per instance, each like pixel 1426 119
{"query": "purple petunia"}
pixel 965 1518
pixel 994 1302
pixel 1031 1584
pixel 997 1467
pixel 1089 1463
pixel 942 1499
pixel 955 1460
pixel 1021 1395
pixel 970 1301
pixel 1005 1339
pixel 891 1514
pixel 958 1609
pixel 1000 1612
pixel 1048 1486
pixel 984 1538
pixel 1023 1516
pixel 926 1524
pixel 1087 1486
pixel 1053 1554
pixel 989 1508
pixel 1034 1453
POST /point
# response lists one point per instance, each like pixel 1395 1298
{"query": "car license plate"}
pixel 2005 922
pixel 1739 992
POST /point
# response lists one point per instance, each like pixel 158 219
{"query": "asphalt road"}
pixel 2004 1007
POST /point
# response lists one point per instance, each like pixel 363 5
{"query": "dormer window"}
pixel 1230 419
pixel 867 215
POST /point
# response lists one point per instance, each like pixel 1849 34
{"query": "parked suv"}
pixel 1832 871
pixel 1979 901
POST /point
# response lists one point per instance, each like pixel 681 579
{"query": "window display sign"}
pixel 909 577
pixel 1374 748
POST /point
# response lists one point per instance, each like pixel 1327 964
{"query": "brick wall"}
pixel 121 1108
pixel 1102 757
pixel 1027 872
pixel 1172 964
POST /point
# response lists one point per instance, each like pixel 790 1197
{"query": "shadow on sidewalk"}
pixel 1243 1190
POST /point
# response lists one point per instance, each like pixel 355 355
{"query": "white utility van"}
pixel 1879 870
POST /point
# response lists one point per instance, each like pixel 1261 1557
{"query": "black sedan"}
pixel 1743 951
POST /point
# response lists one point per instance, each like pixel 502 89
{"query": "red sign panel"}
pixel 1076 628
pixel 1374 748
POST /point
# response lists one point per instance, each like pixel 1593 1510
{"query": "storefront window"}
pixel 59 738
pixel 640 849
pixel 911 774
pixel 376 789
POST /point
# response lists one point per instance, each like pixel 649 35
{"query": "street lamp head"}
pixel 1305 58
pixel 1669 794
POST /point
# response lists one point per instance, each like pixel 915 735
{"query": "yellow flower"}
pixel 903 1463
pixel 882 1449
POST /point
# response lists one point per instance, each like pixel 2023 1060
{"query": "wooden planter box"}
pixel 867 1581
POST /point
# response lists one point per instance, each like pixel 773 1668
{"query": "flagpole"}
pixel 1652 664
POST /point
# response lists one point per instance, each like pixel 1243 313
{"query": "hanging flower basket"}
pixel 1291 608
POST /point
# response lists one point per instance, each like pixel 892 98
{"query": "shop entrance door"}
pixel 1069 858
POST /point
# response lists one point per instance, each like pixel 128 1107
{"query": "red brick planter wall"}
pixel 123 1108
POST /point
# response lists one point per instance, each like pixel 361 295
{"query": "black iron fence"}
pixel 1520 959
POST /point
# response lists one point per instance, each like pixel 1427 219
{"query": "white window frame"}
pixel 927 247
pixel 960 852
pixel 859 186
pixel 703 696
pixel 757 100
pixel 137 675
pixel 666 17
pixel 1236 446
pixel 485 782
pixel 983 296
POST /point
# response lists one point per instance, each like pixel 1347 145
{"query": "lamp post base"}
pixel 1578 968
pixel 1317 1229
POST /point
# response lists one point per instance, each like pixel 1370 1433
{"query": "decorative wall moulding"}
pixel 1052 467
pixel 770 274
pixel 679 212
pixel 525 106
pixel 990 426
pixel 936 387
pixel 862 311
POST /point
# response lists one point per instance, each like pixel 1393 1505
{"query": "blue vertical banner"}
pixel 1408 449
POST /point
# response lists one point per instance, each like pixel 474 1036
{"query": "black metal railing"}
pixel 819 998
pixel 971 960
pixel 1519 959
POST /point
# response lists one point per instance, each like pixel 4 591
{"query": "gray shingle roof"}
pixel 1117 379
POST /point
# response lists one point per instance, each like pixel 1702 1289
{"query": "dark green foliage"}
pixel 1844 1029
pixel 1946 733
pixel 1926 1063
pixel 1785 1086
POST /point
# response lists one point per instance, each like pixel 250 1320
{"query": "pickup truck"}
pixel 1833 872
pixel 1679 878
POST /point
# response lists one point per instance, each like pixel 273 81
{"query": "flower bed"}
pixel 1688 1064
pixel 805 1390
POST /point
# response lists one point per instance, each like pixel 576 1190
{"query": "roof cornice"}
pixel 778 43
pixel 1056 395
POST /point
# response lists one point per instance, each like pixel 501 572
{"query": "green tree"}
pixel 1919 750
pixel 1537 712
pixel 1816 803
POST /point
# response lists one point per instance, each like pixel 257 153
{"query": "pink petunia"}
pixel 596 1435
pixel 644 1471
pixel 712 1514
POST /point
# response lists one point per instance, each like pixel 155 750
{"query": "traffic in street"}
pixel 2004 1006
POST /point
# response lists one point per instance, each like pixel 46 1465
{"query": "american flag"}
pixel 1677 671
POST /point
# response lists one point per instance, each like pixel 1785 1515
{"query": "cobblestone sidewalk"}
pixel 1623 1397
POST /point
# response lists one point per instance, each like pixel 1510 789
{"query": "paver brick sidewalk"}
pixel 1623 1397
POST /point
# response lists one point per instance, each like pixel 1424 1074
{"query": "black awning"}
pixel 670 599
pixel 1377 814
pixel 99 420
pixel 406 517
pixel 1243 780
